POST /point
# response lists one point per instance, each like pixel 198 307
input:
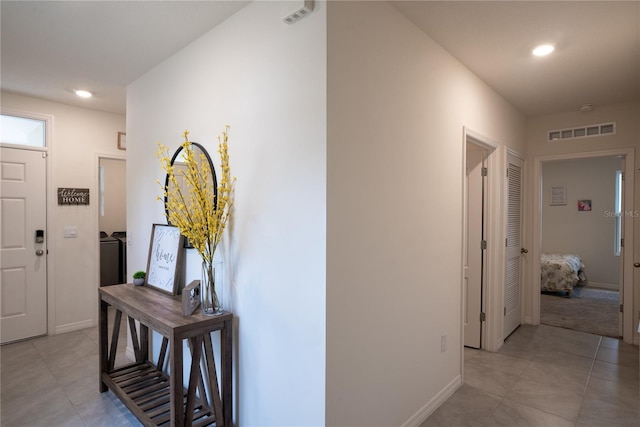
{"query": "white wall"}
pixel 397 104
pixel 78 136
pixel 588 234
pixel 267 80
pixel 115 196
pixel 627 135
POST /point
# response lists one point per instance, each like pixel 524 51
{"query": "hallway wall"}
pixel 397 103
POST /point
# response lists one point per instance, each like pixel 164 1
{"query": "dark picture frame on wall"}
pixel 122 141
pixel 165 258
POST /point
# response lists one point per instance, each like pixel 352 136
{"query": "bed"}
pixel 561 272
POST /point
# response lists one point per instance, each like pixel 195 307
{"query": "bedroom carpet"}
pixel 588 310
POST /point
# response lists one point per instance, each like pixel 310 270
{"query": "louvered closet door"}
pixel 513 267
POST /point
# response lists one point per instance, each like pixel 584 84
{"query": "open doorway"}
pixel 581 267
pixel 475 243
pixel 112 220
pixel 626 225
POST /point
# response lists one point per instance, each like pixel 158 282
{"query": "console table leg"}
pixel 115 334
pixel 212 378
pixel 176 393
pixel 134 339
pixel 163 353
pixel 103 342
pixel 194 377
pixel 226 352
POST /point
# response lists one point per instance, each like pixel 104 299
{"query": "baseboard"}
pixel 76 326
pixel 428 409
pixel 605 286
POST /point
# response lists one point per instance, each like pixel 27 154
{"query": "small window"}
pixel 617 240
pixel 22 131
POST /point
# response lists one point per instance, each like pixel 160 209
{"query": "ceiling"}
pixel 596 61
pixel 50 48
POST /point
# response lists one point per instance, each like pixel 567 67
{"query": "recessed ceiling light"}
pixel 84 93
pixel 543 50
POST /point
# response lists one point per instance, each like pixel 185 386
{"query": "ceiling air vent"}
pixel 582 132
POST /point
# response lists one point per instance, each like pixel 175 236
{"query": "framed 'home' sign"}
pixel 73 196
pixel 165 258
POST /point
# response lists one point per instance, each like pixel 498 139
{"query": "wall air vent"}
pixel 295 10
pixel 582 132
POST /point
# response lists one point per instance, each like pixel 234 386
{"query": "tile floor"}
pixel 548 377
pixel 53 382
pixel 543 376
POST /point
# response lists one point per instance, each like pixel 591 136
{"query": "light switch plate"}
pixel 70 231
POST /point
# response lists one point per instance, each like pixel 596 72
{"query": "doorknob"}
pixel 524 251
pixel 636 264
pixel 39 252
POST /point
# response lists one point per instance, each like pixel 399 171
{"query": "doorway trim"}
pixel 96 214
pixel 627 283
pixel 492 295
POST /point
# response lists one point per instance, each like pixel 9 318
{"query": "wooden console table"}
pixel 154 397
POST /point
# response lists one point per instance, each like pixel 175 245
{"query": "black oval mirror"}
pixel 176 161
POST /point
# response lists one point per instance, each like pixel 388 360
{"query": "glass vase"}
pixel 209 302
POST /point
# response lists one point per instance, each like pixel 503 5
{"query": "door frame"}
pixel 628 158
pixel 524 217
pixel 96 211
pixel 472 248
pixel 493 287
pixel 50 206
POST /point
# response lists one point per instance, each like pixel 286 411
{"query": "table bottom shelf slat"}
pixel 148 397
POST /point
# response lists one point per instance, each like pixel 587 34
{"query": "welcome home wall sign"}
pixel 73 196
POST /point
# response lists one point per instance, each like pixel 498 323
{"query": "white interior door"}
pixel 513 258
pixel 473 257
pixel 23 261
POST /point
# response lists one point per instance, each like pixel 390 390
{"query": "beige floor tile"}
pixel 557 400
pixel 513 414
pixel 66 418
pixel 614 372
pixel 619 357
pixel 619 393
pixel 501 362
pixel 106 411
pixel 488 380
pixel 28 407
pixel 601 414
pixel 467 407
pixel 571 378
pixel 617 344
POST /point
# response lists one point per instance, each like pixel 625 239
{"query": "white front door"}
pixel 23 260
pixel 513 258
pixel 473 257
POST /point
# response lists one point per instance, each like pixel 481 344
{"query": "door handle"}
pixel 524 251
pixel 39 252
pixel 636 264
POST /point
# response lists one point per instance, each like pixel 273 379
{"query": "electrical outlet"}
pixel 443 343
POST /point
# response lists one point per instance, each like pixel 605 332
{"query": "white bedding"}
pixel 560 272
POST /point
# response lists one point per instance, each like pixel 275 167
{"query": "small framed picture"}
pixel 558 196
pixel 584 205
pixel 122 141
pixel 165 258
pixel 191 297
